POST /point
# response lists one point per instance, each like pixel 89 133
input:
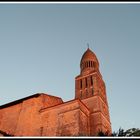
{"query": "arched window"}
pixel 86 81
pixel 81 84
pixel 91 79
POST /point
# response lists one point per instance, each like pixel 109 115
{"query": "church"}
pixel 45 115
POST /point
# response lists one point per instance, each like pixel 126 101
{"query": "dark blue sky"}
pixel 41 46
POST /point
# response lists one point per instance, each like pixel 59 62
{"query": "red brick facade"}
pixel 45 115
pixel 90 89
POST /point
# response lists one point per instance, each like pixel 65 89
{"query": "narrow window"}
pixel 91 80
pixel 81 83
pixel 86 82
pixel 87 64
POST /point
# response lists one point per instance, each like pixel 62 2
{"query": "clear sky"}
pixel 41 46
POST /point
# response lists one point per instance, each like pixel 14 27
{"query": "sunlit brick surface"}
pixel 46 115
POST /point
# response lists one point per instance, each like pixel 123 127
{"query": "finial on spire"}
pixel 88 45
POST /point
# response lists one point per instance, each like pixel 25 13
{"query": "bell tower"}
pixel 90 89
